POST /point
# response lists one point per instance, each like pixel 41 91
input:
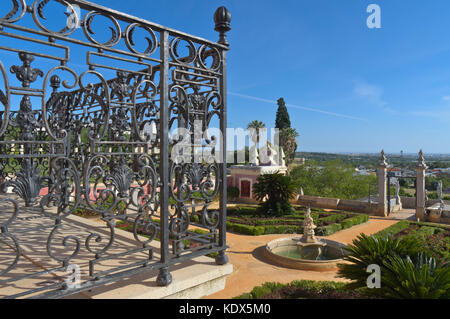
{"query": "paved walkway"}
pixel 409 214
pixel 251 269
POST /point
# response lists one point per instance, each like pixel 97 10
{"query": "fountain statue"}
pixel 310 247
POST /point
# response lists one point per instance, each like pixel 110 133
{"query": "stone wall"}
pixel 355 206
pixel 338 204
pixel 410 202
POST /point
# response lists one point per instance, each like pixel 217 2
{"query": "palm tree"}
pixel 257 126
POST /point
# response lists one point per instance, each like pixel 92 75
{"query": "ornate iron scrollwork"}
pixel 87 131
pixel 28 183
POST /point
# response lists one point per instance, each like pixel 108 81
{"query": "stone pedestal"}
pixel 420 188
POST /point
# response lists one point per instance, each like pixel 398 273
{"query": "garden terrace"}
pixel 246 220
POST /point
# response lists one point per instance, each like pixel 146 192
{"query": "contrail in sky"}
pixel 298 107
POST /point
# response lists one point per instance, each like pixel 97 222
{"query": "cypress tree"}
pixel 282 120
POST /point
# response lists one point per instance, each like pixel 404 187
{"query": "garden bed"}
pixel 304 289
pixel 433 239
pixel 246 220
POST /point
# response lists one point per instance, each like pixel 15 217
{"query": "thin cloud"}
pixel 298 107
pixel 373 94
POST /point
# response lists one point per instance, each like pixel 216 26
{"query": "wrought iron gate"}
pixel 85 122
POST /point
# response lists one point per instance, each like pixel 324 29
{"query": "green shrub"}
pixel 233 192
pixel 352 221
pixel 331 219
pixel 431 238
pixel 274 191
pixel 246 229
pixel 328 230
pixel 282 229
pixel 427 230
pixel 291 223
pixel 319 287
pixel 394 229
pixel 265 289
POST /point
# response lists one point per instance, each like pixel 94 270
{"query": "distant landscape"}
pixel 371 160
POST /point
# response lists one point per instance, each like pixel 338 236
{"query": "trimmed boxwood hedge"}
pixel 244 220
pixel 352 221
pixel 328 230
pixel 246 229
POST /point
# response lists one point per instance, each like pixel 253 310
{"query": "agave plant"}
pixel 422 278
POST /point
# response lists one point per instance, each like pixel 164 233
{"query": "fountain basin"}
pixel 286 252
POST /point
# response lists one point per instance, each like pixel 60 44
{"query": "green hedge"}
pixel 245 220
pixel 328 230
pixel 352 221
pixel 246 229
pixel 308 285
pixel 332 218
pixel 282 229
pixel 394 229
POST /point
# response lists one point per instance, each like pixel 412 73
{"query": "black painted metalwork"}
pixel 84 126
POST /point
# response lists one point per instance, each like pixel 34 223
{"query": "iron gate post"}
pixel 164 277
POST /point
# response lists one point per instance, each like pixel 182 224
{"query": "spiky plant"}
pixel 422 278
pixel 369 250
pixel 274 192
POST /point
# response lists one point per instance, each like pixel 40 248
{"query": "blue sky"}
pixel 348 88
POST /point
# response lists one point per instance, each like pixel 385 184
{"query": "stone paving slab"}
pixel 252 269
pixel 34 258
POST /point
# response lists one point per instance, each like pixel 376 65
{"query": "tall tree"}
pixel 288 141
pixel 282 121
pixel 288 135
pixel 256 125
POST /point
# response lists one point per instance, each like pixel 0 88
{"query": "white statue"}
pixel 397 192
pixel 282 160
pixel 300 193
pixel 439 193
pixel 254 156
pixel 308 228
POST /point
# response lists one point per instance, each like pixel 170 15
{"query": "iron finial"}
pixel 222 18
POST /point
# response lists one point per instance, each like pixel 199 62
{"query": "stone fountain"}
pixel 307 252
pixel 310 247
